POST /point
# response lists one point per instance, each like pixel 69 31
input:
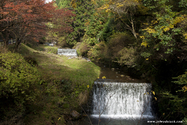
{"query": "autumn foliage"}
pixel 26 19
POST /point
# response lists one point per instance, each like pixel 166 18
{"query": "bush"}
pixel 82 48
pixel 62 42
pixel 99 51
pixel 18 82
pixel 31 60
pixel 122 50
pixel 2 49
pixel 127 56
pixel 118 41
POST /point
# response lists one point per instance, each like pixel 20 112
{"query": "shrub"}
pixel 3 49
pixel 62 42
pixel 122 50
pixel 82 48
pixel 18 82
pixel 118 41
pixel 127 56
pixel 99 51
pixel 31 60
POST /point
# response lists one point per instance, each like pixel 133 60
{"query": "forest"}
pixel 147 37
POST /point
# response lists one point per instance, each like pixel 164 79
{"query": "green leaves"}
pixel 145 54
pixel 63 3
pixel 164 29
pixel 183 3
pixel 181 79
pixel 17 77
pixel 84 11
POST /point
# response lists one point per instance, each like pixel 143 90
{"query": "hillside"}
pixel 64 86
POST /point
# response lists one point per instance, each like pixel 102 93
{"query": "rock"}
pixel 75 114
pixel 72 57
pixel 88 60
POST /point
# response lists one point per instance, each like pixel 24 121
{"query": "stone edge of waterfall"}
pixel 100 81
pixel 73 50
pixel 122 116
pixel 106 82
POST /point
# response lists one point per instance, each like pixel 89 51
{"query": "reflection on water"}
pixel 112 121
pixel 117 74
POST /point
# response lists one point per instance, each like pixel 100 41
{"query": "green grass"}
pixel 76 74
pixel 60 67
pixel 51 49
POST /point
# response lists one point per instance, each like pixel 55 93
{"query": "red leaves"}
pixel 5 13
pixel 27 18
pixel 62 19
pixel 8 4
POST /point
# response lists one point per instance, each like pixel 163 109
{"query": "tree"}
pixel 25 20
pixel 60 24
pixel 163 34
pixel 163 44
pixel 83 11
pixel 97 25
pixel 63 3
pixel 121 9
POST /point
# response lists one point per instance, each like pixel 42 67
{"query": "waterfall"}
pixel 67 52
pixel 116 100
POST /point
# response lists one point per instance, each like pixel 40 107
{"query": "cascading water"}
pixel 67 52
pixel 122 100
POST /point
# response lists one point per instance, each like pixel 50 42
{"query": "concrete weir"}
pixel 67 52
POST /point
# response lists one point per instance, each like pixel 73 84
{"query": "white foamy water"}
pixel 122 100
pixel 67 52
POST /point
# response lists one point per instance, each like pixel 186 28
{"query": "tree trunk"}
pixel 6 39
pixel 18 41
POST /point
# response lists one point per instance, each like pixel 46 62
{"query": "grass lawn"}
pixel 66 85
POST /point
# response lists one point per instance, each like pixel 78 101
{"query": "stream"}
pixel 119 100
pixel 116 98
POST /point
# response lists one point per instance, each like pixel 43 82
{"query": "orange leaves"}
pixel 73 3
pixel 87 23
pixel 184 88
pixel 29 11
pixel 8 4
pixel 5 13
